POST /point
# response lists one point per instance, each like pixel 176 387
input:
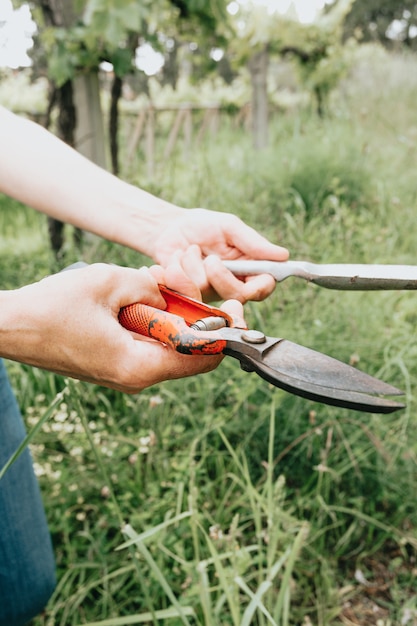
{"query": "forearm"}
pixel 30 329
pixel 10 324
pixel 43 172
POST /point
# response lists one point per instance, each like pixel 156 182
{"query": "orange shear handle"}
pixel 190 309
pixel 170 329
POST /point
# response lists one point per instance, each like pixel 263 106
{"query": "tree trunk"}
pixel 116 92
pixel 89 133
pixel 80 119
pixel 67 121
pixel 258 67
pixel 59 13
pixel 320 98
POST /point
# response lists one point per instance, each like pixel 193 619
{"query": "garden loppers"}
pixel 192 327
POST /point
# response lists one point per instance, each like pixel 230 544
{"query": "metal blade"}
pixel 313 375
pixel 345 276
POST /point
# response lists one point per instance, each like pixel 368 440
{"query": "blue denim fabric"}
pixel 27 567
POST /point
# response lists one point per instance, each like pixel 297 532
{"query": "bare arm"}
pixel 43 172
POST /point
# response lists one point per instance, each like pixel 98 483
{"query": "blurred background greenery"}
pixel 240 503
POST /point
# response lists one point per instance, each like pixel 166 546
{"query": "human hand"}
pixel 204 238
pixel 68 323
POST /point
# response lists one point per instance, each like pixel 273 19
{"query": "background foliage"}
pixel 219 499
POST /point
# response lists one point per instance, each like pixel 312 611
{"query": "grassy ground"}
pixel 220 499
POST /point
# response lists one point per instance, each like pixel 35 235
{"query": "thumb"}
pixel 174 277
pixel 235 309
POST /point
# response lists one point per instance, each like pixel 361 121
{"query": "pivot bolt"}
pixel 209 323
pixel 253 336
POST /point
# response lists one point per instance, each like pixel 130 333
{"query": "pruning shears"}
pixel 195 328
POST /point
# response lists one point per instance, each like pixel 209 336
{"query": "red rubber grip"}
pixel 138 318
pixel 170 329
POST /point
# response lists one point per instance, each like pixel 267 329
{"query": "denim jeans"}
pixel 27 566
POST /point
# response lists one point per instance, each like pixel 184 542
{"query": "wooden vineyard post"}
pixel 150 142
pixel 173 135
pixel 145 127
pixel 136 135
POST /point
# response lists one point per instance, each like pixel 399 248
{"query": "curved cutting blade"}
pixel 316 376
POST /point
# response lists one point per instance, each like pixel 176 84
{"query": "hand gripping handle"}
pixel 170 329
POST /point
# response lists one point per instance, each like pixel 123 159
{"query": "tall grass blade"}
pixel 142 618
pixel 255 602
pixel 50 410
pixel 153 566
pixel 225 582
pixel 281 611
pixel 141 537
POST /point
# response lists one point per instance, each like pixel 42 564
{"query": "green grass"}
pixel 220 499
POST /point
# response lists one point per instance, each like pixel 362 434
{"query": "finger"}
pixel 223 283
pixel 253 245
pixel 162 363
pixel 178 277
pixel 158 273
pixel 258 288
pixel 174 277
pixel 193 265
pixel 227 285
pixel 142 286
pixel 234 308
pixel 122 285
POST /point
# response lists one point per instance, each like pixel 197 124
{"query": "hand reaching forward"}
pixel 68 323
pixel 43 172
pixel 204 238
